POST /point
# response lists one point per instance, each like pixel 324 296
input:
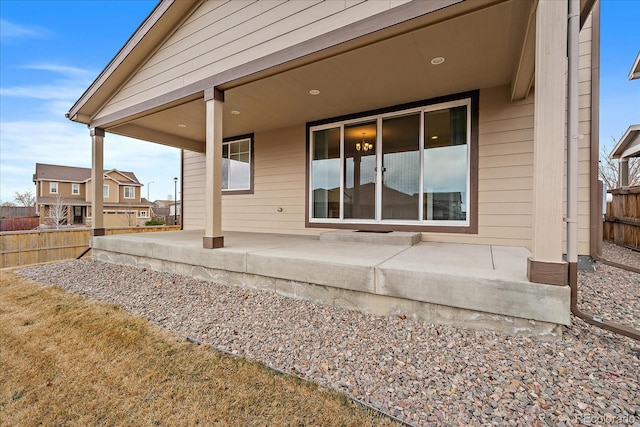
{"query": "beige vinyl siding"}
pixel 221 35
pixel 279 182
pixel 193 190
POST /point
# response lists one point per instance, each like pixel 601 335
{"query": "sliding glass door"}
pixel 401 167
pixel 360 169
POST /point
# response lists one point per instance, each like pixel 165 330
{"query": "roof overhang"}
pixel 629 144
pixel 485 43
pixel 635 69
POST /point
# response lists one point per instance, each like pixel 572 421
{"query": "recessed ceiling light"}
pixel 180 125
pixel 235 112
pixel 314 92
pixel 437 60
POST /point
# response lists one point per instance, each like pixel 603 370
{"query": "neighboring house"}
pixel 70 189
pixel 629 144
pixel 446 118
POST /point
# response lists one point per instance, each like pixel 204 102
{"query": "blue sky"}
pixel 51 51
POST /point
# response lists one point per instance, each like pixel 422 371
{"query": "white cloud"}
pixel 10 30
pixel 61 69
pixel 68 91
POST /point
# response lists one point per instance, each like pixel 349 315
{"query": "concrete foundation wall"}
pixel 368 302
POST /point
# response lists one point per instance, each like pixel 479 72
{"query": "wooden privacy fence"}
pixel 622 221
pixel 31 247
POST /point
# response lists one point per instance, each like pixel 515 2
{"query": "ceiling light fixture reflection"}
pixel 363 146
pixel 180 125
pixel 434 137
pixel 314 92
pixel 437 60
pixel 235 112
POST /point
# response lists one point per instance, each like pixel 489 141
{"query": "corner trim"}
pixel 549 273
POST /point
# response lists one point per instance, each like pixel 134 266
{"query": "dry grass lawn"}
pixel 68 361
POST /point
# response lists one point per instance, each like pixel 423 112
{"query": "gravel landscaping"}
pixel 421 373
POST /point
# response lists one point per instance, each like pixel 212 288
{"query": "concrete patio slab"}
pixel 466 285
pixel 466 276
pixel 337 264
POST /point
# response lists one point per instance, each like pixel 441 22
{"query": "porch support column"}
pixel 213 237
pixel 546 264
pixel 97 175
pixel 623 164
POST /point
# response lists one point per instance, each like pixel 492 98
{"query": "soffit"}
pixel 480 50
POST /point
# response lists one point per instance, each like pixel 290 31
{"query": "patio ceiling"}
pixel 481 49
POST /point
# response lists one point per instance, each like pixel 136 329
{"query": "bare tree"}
pixel 26 198
pixel 131 215
pixel 609 170
pixel 58 211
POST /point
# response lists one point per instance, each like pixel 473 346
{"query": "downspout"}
pixel 573 137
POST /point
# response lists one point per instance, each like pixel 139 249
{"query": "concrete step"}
pixel 402 238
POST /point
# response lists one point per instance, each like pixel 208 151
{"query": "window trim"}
pixel 397 225
pixel 250 137
pixel 55 184
pixel 124 192
pixel 75 186
pixel 105 186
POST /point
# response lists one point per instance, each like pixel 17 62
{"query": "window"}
pixel 75 189
pixel 407 167
pixel 129 192
pixel 105 191
pixel 143 214
pixel 237 165
pixel 53 187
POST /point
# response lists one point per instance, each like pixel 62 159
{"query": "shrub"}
pixel 148 223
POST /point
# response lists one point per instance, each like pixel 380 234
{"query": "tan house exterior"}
pixel 70 188
pixel 448 118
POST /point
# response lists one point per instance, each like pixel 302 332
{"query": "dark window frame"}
pixel 250 137
pixel 471 228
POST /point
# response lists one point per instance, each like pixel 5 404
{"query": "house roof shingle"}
pixel 46 172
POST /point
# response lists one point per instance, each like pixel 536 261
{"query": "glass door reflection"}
pixel 360 170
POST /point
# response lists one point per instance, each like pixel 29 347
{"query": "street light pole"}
pixel 149 188
pixel 175 201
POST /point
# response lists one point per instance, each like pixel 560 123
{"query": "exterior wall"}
pixel 193 190
pixel 113 191
pixel 64 190
pixel 505 178
pixel 136 198
pixel 221 35
pixel 279 182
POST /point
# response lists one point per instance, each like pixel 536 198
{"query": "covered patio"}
pixel 477 286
